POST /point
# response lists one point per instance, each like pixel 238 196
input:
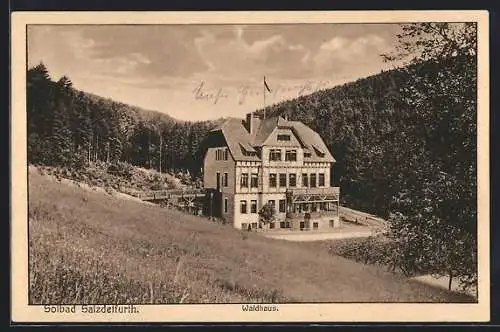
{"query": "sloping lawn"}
pixel 89 247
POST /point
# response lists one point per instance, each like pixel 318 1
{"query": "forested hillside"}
pixel 68 127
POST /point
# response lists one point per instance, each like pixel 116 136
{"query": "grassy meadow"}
pixel 88 247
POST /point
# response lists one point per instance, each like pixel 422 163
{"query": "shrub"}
pixel 156 186
pixel 79 160
pixel 370 250
pixel 121 169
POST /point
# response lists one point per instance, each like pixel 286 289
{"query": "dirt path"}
pixel 345 232
pixel 361 217
pixel 442 282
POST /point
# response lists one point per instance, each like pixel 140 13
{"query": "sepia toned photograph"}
pixel 251 164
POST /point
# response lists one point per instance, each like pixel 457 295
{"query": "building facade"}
pixel 252 162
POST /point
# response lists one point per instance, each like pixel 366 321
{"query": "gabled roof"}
pixel 239 139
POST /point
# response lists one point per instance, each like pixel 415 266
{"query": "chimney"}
pixel 252 122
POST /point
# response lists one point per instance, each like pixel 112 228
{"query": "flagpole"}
pixel 264 90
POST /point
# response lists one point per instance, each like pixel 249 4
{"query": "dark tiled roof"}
pixel 235 133
pixel 239 139
pixel 265 129
pixel 311 139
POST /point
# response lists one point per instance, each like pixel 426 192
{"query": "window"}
pixel 305 180
pixel 253 206
pixel 307 154
pixel 272 180
pixel 282 207
pixel 283 137
pixel 272 202
pixel 225 204
pixel 313 180
pixel 315 225
pixel 292 180
pixel 224 182
pixel 323 206
pixel 243 207
pixel 254 180
pixel 321 179
pixel 254 225
pixel 291 155
pixel 275 155
pixel 282 180
pixel 221 154
pixel 282 224
pixel 332 223
pixel 271 225
pixel 244 180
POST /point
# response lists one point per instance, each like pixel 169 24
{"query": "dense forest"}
pixel 404 141
pixel 71 127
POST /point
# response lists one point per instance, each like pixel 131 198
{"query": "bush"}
pixel 121 169
pixel 370 250
pixel 156 186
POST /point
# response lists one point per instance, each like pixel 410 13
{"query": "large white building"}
pixel 252 162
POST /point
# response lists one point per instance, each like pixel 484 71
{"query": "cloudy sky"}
pixel 197 72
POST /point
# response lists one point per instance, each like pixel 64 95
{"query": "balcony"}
pixel 309 195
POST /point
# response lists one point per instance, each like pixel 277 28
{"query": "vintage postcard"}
pixel 250 167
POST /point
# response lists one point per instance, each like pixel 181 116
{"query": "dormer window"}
pixel 283 137
pixel 318 152
pixel 247 150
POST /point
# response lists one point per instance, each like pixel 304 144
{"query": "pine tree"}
pixel 61 135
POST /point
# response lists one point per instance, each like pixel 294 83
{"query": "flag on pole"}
pixel 265 85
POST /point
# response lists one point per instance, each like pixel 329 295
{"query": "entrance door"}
pixel 307 220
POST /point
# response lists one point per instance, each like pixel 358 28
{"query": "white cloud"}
pixel 298 47
pixel 336 43
pixel 235 59
pixel 141 58
pixel 260 47
pixel 348 51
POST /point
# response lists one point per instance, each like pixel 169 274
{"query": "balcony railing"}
pixel 164 194
pixel 305 195
pixel 315 191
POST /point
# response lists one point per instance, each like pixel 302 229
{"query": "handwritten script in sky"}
pixel 242 93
